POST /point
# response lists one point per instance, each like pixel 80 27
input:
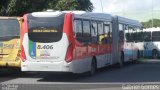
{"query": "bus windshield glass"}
pixel 45 29
pixel 9 28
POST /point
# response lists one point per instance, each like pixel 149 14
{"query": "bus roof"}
pixel 95 16
pixel 77 14
pixel 124 20
pixel 88 15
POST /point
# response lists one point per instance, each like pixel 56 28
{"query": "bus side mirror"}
pixel 21 19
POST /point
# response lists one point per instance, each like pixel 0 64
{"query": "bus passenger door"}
pixel 108 41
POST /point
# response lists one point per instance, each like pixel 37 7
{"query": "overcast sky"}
pixel 136 9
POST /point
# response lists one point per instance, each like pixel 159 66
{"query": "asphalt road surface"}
pixel 132 74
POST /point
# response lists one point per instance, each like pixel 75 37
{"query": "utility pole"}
pixel 152 13
pixel 101 6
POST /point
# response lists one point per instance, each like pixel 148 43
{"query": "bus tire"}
pixel 155 54
pixel 93 67
pixel 121 63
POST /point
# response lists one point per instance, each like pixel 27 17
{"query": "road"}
pixel 144 72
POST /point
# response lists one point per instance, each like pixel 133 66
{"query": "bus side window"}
pixel 107 33
pixel 134 34
pixel 130 34
pixel 156 36
pixel 100 32
pixel 110 33
pixel 139 35
pixel 78 29
pixel 86 31
pixel 94 32
pixel 126 33
pixel 147 36
pixel 121 33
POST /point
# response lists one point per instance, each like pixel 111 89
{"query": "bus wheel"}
pixel 93 67
pixel 154 54
pixel 122 59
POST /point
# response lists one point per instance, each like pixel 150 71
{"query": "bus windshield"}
pixel 45 29
pixel 9 28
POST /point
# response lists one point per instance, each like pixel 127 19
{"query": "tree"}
pixel 85 5
pixel 148 24
pixel 20 7
pixel 66 5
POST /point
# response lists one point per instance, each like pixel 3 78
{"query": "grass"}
pixel 143 59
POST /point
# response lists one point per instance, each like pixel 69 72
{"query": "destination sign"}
pixel 44 30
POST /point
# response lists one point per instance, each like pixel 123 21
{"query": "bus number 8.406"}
pixel 45 47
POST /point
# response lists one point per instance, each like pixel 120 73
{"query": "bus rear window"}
pixel 9 28
pixel 45 29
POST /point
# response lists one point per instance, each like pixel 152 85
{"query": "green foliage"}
pixel 148 24
pixel 85 5
pixel 64 5
pixel 20 7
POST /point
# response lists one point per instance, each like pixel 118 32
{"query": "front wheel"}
pixel 155 54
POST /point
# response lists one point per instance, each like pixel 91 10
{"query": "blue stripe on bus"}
pixel 128 53
pixel 34 49
pixel 147 53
